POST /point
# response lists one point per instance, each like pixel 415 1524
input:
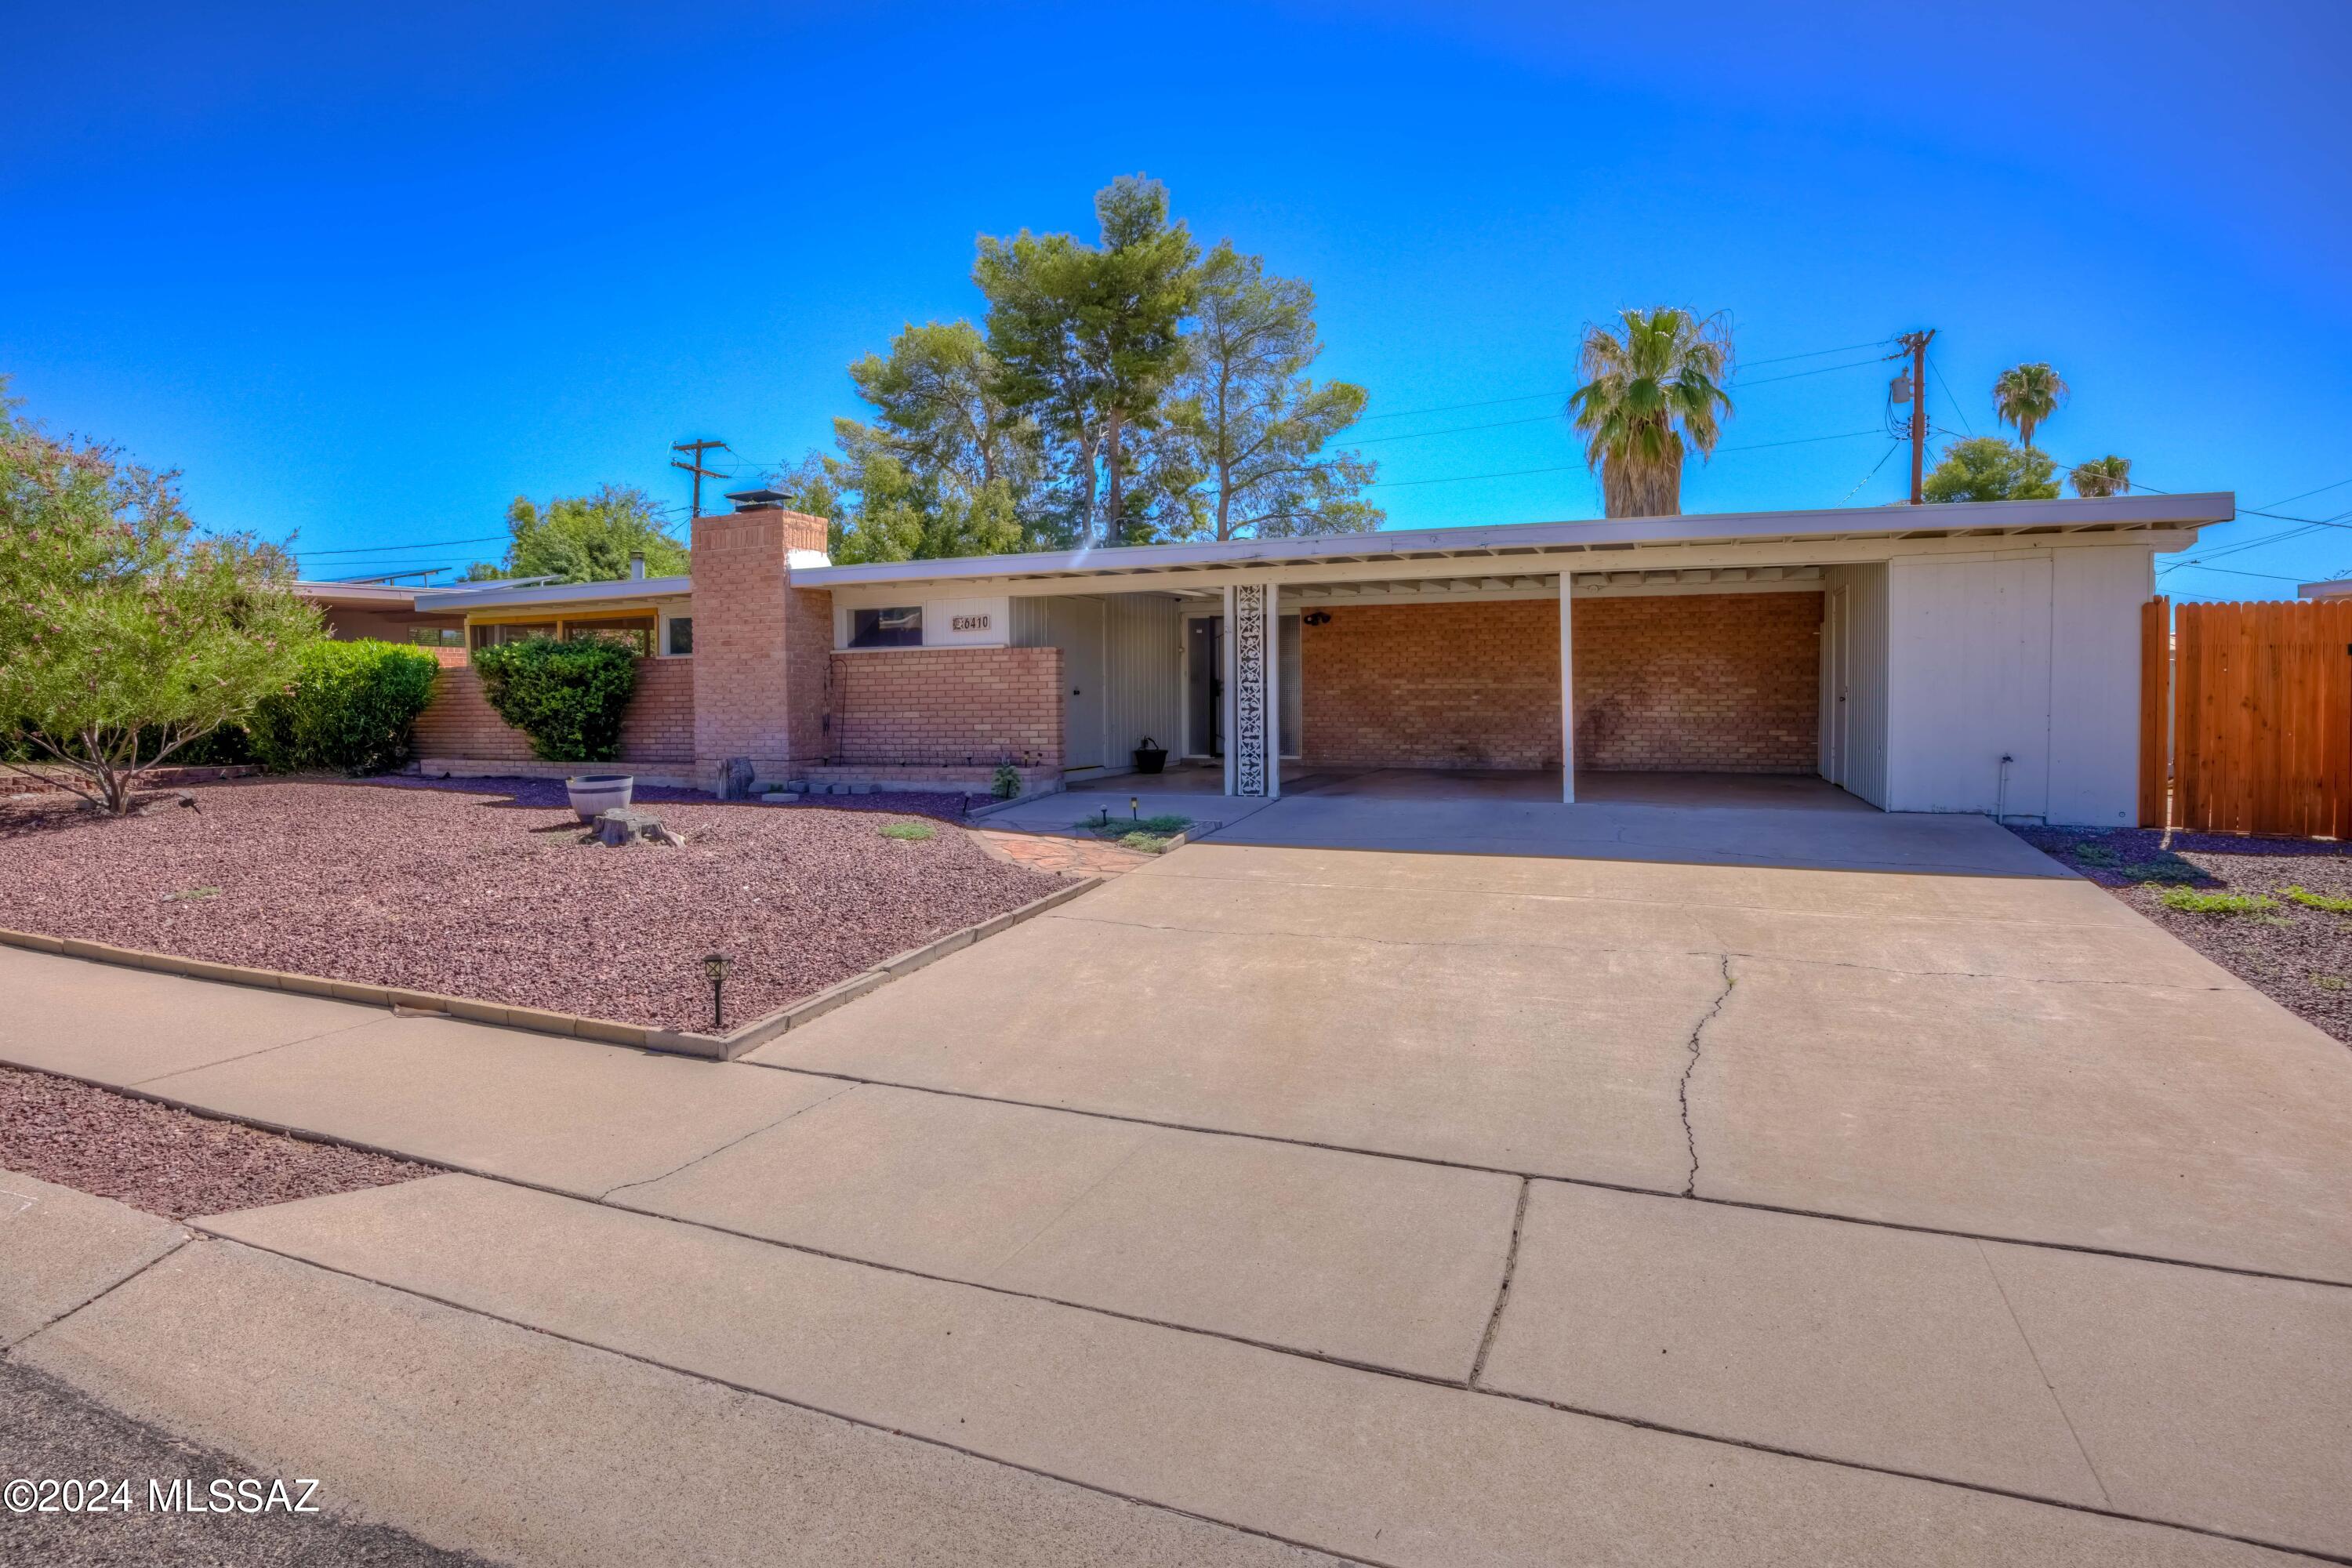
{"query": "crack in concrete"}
pixel 1682 1088
pixel 1503 1291
pixel 1499 945
pixel 713 1153
pixel 187 1235
pixel 2038 1370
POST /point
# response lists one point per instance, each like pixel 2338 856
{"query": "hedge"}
pixel 352 707
pixel 568 698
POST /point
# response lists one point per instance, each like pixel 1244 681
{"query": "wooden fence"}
pixel 2259 698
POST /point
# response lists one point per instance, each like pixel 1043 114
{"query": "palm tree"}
pixel 1666 370
pixel 2027 395
pixel 2107 476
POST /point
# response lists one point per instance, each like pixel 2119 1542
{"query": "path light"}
pixel 714 969
pixel 1135 806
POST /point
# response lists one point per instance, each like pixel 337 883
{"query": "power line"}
pixel 1956 409
pixel 2321 490
pixel 1799 441
pixel 386 549
pixel 1816 353
pixel 2230 572
pixel 1531 396
pixel 1458 429
pixel 1467 479
pixel 1458 407
pixel 1824 370
pixel 1893 447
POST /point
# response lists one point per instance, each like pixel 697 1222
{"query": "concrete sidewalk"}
pixel 692 1397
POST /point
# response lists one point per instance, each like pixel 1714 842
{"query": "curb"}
pixel 571 1025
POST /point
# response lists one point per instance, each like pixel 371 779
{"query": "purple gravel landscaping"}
pixel 491 895
pixel 2298 955
pixel 166 1161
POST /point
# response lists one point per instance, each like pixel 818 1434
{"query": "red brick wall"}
pixel 1433 686
pixel 1705 683
pixel 659 727
pixel 808 633
pixel 947 707
pixel 741 611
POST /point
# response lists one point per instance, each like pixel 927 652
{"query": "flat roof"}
pixel 551 594
pixel 2104 514
pixel 2129 513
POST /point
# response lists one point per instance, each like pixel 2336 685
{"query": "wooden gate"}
pixel 2261 716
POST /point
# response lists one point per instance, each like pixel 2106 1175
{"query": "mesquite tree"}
pixel 124 637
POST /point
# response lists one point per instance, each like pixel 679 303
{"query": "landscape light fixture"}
pixel 714 969
pixel 1135 806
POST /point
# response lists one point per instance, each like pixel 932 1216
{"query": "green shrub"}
pixel 2189 901
pixel 910 832
pixel 2311 900
pixel 2097 855
pixel 352 707
pixel 569 697
pixel 1007 782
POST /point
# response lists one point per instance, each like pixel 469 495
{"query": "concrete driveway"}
pixel 1918 1020
pixel 1424 1181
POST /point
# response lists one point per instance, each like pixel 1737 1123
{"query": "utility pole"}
pixel 1917 343
pixel 695 465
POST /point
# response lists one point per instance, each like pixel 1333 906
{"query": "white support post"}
pixel 1567 689
pixel 1272 691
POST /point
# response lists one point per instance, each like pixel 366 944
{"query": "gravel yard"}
pixel 2298 954
pixel 168 1162
pixel 479 892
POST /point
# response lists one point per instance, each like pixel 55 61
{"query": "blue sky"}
pixel 368 276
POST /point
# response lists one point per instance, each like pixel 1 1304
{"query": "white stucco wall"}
pixel 2030 654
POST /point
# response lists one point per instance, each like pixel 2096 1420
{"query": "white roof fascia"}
pixel 555 594
pixel 1976 519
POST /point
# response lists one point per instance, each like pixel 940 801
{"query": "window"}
pixel 635 633
pixel 438 636
pixel 681 635
pixel 508 631
pixel 898 627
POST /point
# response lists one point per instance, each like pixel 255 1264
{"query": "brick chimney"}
pixel 761 647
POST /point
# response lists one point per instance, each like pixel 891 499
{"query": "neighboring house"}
pixel 1949 658
pixel 2334 588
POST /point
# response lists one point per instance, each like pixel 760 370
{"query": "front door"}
pixel 1204 687
pixel 1076 626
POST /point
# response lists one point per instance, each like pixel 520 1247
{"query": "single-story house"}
pixel 1971 657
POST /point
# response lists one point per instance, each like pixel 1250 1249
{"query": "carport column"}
pixel 1567 689
pixel 1251 742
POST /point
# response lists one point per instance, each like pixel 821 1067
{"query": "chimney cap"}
pixel 758 500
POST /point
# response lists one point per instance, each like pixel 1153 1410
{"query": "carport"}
pixel 1979 658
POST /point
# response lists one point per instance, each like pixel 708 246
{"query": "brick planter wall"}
pixel 1433 686
pixel 947 707
pixel 659 727
pixel 1705 683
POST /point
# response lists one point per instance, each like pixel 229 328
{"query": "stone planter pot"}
pixel 594 793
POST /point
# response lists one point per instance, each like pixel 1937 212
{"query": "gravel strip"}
pixel 168 1162
pixel 492 896
pixel 47 1429
pixel 2299 957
